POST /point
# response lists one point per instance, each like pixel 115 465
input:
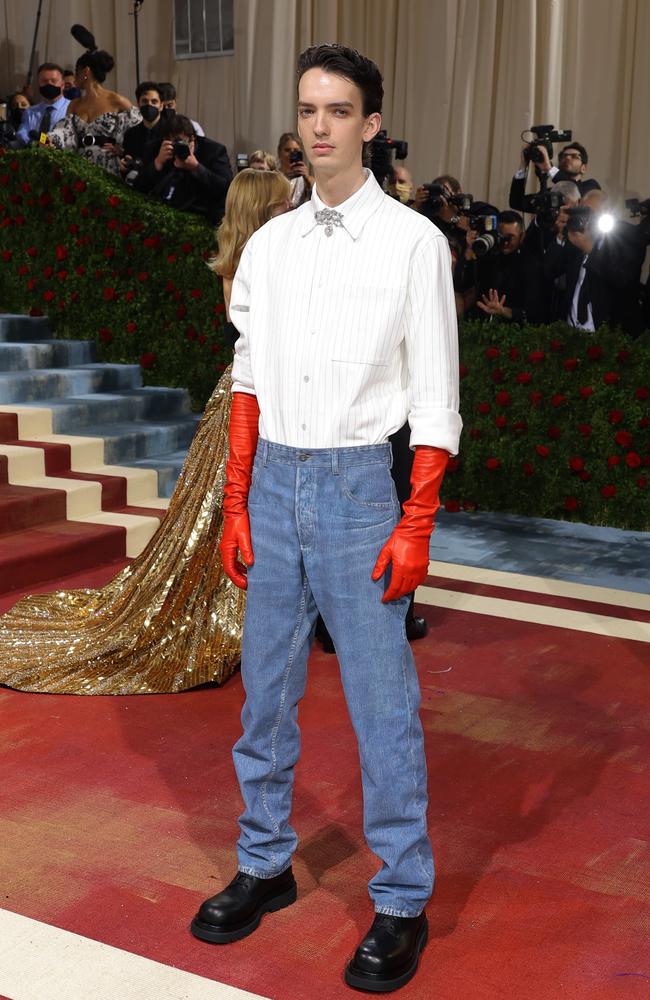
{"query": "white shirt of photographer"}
pixel 345 336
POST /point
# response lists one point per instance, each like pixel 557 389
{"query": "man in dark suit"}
pixel 572 161
pixel 189 173
pixel 602 272
pixel 142 141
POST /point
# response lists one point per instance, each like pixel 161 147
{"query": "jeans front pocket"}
pixel 369 486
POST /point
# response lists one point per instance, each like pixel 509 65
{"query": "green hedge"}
pixel 556 422
pixel 105 263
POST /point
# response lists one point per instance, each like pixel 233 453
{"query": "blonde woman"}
pixel 261 159
pixel 172 619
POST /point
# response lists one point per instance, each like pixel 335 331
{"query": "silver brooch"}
pixel 329 218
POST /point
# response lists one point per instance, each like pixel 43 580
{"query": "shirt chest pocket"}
pixel 368 322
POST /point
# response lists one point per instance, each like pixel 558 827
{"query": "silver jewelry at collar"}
pixel 329 218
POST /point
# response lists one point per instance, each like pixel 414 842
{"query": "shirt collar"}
pixel 356 210
pixel 42 106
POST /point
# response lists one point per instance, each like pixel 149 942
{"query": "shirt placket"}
pixel 308 373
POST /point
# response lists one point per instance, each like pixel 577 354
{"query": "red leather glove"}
pixel 236 535
pixel 408 546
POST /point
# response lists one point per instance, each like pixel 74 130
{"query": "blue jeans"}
pixel 318 521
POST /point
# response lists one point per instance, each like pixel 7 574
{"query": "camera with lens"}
pixel 439 196
pixel 96 140
pixel 488 240
pixel 181 149
pixel 295 156
pixel 546 205
pixel 544 135
pixel 381 155
pixel 7 132
pixel 579 219
pixel 636 207
pixel 133 166
pixel 242 161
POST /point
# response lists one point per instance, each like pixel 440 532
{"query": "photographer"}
pixel 291 163
pixel 573 161
pixel 189 173
pixel 53 106
pixel 509 277
pixel 142 141
pixel 602 271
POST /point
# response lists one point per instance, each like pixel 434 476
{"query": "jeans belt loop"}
pixel 265 452
pixel 335 461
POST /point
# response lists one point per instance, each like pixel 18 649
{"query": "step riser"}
pixel 21 387
pixel 24 328
pixel 49 354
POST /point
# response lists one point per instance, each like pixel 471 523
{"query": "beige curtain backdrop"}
pixel 463 78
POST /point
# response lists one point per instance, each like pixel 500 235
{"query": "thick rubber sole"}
pixel 220 935
pixel 375 984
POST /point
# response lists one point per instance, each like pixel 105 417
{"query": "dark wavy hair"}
pixel 99 63
pixel 350 64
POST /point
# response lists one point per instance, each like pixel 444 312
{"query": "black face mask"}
pixel 16 116
pixel 149 113
pixel 167 113
pixel 49 91
pixel 72 93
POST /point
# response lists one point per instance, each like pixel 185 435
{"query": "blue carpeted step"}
pixel 168 468
pixel 40 384
pixel 45 354
pixel 22 328
pixel 124 444
pixel 81 414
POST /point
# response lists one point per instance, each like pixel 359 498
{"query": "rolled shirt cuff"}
pixel 437 429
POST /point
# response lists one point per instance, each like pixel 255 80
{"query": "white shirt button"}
pixel 304 427
pixel 306 379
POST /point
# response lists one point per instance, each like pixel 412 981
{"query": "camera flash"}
pixel 606 222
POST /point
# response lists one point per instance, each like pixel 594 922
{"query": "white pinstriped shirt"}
pixel 344 337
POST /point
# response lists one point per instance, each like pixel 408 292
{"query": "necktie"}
pixel 584 297
pixel 46 119
pixel 328 217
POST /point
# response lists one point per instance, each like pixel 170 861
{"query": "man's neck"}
pixel 334 189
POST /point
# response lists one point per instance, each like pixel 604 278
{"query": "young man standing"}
pixel 348 327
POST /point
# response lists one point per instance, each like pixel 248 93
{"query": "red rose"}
pixel 492 464
pixel 190 333
pixel 84 212
pixel 187 247
pixel 484 408
pixel 109 294
pixel 452 506
pixel 80 270
pixel 542 450
pixel 523 378
pixel 615 416
pixel 520 425
pixel 624 438
pixel 535 398
pixel 48 271
pixel 502 398
pixel 513 353
pixel 492 352
pixel 570 503
pixel 554 433
pixel 220 308
pixel 585 476
pixel 497 374
pixel 499 421
pixel 113 201
pixel 608 491
pixel 558 399
pixel 633 460
pixel 35 311
pixel 642 392
pixel 172 258
pixel 576 463
pixel 202 339
pixel 125 229
pixel 143 276
pixel 595 352
pixel 31 251
pixel 170 286
pixel 105 334
pixel 570 364
pixel 7 255
pixel 452 465
pixel 147 360
pixel 181 312
pixel 470 505
pixel 152 242
pixel 528 469
pixel 31 284
pixel 463 371
pixel 215 348
pixel 48 295
pixel 129 296
pixel 623 356
pixel 62 275
pixel 536 356
pixel 556 345
pixel 16 199
pixel 23 270
pixel 61 252
pixel 611 378
pixel 13 165
pixel 79 186
pixel 196 293
pixel 644 421
pixel 131 327
pixel 613 460
pixel 584 429
pixel 642 482
pixel 112 225
pixel 4 179
pixel 474 433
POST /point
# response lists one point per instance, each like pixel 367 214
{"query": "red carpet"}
pixel 119 817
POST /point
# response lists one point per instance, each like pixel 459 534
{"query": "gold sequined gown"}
pixel 169 621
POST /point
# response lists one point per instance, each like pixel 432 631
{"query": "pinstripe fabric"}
pixel 344 337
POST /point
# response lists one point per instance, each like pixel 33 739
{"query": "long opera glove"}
pixel 407 549
pixel 236 535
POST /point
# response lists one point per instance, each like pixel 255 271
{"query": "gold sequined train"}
pixel 169 621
